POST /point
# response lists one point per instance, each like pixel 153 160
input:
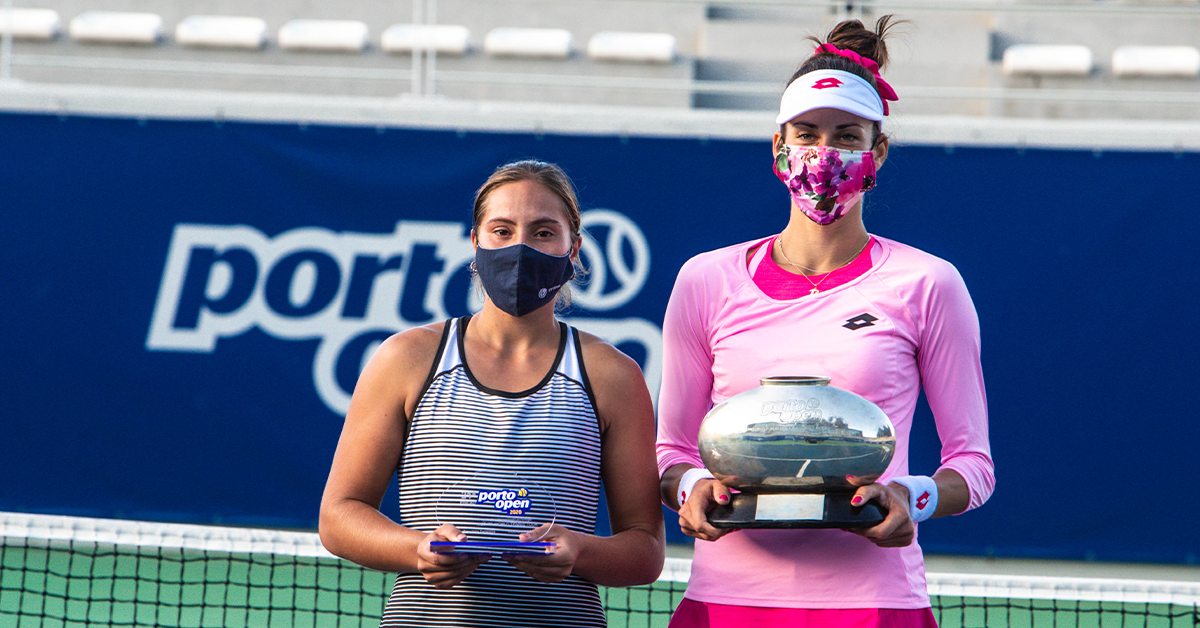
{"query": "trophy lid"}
pixel 794 380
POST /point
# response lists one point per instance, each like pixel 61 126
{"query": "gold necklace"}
pixel 815 284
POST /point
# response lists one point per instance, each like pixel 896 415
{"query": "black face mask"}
pixel 519 278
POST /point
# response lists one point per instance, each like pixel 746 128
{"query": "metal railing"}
pixel 694 86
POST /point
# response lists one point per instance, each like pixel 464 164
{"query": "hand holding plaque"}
pixel 797 449
pixel 492 509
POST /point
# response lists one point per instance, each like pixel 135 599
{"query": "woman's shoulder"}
pixel 730 255
pixel 617 384
pixel 397 371
pixel 717 267
pixel 412 349
pixel 606 364
pixel 924 282
pixel 914 262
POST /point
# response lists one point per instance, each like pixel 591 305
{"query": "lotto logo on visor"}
pixel 812 91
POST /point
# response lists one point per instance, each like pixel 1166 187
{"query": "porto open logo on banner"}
pixel 350 291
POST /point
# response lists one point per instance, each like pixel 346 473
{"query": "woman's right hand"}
pixel 693 513
pixel 446 570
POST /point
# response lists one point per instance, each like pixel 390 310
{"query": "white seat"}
pixel 445 39
pixel 324 35
pixel 1161 61
pixel 636 47
pixel 218 31
pixel 114 27
pixel 553 43
pixel 38 24
pixel 1047 60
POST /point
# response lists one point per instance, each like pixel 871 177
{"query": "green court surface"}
pixel 67 583
pixel 69 588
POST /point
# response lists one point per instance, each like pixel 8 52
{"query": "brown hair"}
pixel 852 35
pixel 546 174
pixel 554 179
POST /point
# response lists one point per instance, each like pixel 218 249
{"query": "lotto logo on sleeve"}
pixel 510 502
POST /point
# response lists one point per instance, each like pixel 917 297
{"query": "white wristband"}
pixel 922 496
pixel 688 482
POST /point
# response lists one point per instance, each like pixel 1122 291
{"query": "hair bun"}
pixel 853 35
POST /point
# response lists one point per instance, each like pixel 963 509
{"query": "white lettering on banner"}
pixel 350 290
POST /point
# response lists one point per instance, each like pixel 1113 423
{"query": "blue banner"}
pixel 187 306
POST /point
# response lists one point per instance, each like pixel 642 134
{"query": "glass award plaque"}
pixel 492 509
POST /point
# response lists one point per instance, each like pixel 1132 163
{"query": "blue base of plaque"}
pixel 485 547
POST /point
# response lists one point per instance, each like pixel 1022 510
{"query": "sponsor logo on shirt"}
pixel 860 321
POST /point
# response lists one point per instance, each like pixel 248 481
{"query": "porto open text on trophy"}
pixel 788 447
pixel 492 508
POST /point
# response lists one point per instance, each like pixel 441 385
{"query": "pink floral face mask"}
pixel 825 182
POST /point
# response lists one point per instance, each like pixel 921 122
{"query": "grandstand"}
pixel 988 61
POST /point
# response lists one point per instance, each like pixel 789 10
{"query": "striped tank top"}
pixel 462 433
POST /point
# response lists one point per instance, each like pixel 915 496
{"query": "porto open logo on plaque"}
pixel 492 509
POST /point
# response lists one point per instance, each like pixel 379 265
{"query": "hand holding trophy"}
pixel 797 449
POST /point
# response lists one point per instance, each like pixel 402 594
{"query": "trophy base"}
pixel 486 547
pixel 793 510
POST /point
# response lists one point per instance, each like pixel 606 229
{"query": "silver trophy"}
pixel 789 446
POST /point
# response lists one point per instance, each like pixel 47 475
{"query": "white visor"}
pixel 830 88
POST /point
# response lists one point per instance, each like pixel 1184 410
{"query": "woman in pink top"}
pixel 824 297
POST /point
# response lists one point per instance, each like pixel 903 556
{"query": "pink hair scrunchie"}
pixel 886 92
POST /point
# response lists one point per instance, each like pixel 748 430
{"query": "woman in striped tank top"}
pixel 508 392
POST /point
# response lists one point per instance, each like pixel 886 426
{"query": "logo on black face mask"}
pixel 519 278
pixel 860 321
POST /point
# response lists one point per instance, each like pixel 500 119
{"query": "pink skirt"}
pixel 693 614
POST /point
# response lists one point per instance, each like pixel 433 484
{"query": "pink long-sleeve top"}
pixel 906 322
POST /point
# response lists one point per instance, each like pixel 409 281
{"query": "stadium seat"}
pixel 445 39
pixel 555 43
pixel 37 24
pixel 323 35
pixel 113 27
pixel 1157 61
pixel 217 31
pixel 635 47
pixel 1047 60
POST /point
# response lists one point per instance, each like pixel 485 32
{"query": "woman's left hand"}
pixel 553 567
pixel 897 528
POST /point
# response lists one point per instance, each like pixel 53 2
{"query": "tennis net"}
pixel 71 571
